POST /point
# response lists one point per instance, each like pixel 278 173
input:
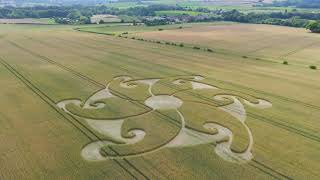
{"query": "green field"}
pixel 241 5
pixel 117 29
pixel 79 105
pixel 175 13
pixel 43 21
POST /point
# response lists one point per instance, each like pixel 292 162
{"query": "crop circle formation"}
pixel 183 111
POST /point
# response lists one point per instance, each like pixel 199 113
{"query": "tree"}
pixel 84 20
pixel 101 22
pixel 314 26
pixel 75 14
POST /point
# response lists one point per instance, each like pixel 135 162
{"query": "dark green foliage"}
pixel 77 14
pixel 296 3
pixel 313 67
pixel 156 22
pixel 285 62
pixel 209 50
pixel 293 22
pixel 196 47
pixel 134 23
pixel 314 27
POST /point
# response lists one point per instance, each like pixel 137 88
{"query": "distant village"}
pixel 4 3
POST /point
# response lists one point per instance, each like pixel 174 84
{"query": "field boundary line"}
pixel 267 167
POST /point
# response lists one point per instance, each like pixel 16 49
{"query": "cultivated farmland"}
pixel 78 105
pixel 275 43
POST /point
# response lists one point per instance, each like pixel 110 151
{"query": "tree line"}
pixel 78 14
pixel 296 3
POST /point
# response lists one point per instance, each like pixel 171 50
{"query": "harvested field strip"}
pixel 51 103
pixel 254 115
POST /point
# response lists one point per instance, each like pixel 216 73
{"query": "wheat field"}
pixel 78 105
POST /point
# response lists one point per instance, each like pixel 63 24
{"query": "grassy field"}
pixel 45 21
pixel 245 6
pixel 44 66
